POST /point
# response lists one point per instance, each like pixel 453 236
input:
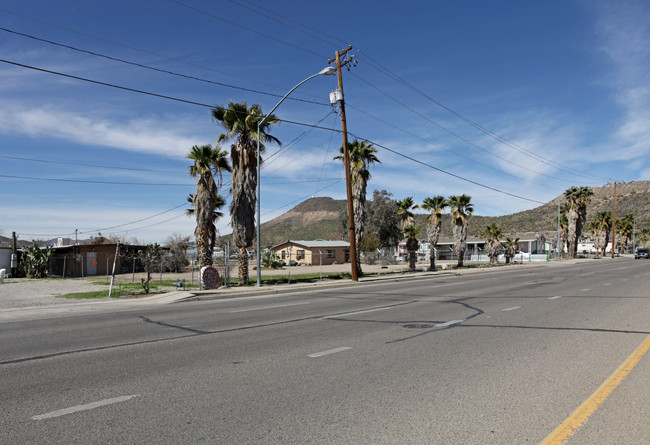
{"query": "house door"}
pixel 347 256
pixel 91 263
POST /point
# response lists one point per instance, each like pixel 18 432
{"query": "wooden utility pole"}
pixel 346 160
pixel 614 222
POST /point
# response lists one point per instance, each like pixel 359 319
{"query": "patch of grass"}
pixel 86 295
pixel 300 278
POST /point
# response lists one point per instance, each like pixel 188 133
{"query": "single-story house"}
pixel 95 259
pixel 313 252
pixel 528 242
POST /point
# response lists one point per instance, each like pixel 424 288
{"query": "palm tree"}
pixel 460 210
pixel 645 235
pixel 511 246
pixel 564 228
pixel 435 204
pixel 577 200
pixel 492 243
pixel 362 155
pixel 241 124
pixel 217 214
pixel 404 210
pixel 626 227
pixel 208 163
pixel 412 244
pixel 601 226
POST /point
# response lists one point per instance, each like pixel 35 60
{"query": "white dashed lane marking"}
pixel 86 407
pixel 331 351
pixel 511 308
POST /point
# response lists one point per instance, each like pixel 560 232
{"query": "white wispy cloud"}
pixel 159 136
pixel 624 32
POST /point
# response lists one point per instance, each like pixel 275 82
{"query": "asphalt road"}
pixel 487 358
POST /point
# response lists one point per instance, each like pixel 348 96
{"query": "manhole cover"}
pixel 418 326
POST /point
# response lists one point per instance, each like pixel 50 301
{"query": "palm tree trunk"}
pixel 243 267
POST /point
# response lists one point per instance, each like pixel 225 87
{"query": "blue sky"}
pixel 510 102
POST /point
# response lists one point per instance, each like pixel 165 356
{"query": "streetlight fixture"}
pixel 324 72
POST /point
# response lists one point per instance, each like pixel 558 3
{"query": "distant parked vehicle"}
pixel 642 253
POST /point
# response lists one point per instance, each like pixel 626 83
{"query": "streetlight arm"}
pixel 325 71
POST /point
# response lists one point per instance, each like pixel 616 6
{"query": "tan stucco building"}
pixel 313 252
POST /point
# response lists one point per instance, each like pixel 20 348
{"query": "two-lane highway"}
pixel 505 357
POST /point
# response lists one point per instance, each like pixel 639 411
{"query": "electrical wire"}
pixel 255 11
pixel 417 161
pixel 134 48
pixel 134 222
pixel 440 147
pixel 280 120
pixel 457 136
pixel 83 181
pixel 377 66
pixel 397 78
pixel 160 70
pixel 86 165
pixel 97 82
pixel 214 16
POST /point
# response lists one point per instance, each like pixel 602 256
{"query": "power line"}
pixel 255 11
pixel 377 66
pixel 446 172
pixel 214 16
pixel 160 70
pixel 459 137
pixel 281 120
pixel 133 90
pixel 93 181
pixel 397 78
pixel 136 221
pixel 134 48
pixel 46 161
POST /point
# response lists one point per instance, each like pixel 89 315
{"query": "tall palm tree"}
pixel 404 209
pixel 217 214
pixel 362 155
pixel 461 209
pixel 208 163
pixel 492 243
pixel 626 227
pixel 601 226
pixel 410 232
pixel 434 204
pixel 577 200
pixel 511 246
pixel 240 123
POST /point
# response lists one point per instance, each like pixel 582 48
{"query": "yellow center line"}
pixel 580 415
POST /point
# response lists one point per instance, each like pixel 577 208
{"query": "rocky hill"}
pixel 322 217
pixel 312 219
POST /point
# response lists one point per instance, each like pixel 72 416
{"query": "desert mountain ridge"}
pixel 322 217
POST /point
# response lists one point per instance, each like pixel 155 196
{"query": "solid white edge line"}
pixel 88 406
pixel 331 351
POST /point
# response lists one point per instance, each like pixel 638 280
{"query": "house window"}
pixel 330 254
pixel 300 254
